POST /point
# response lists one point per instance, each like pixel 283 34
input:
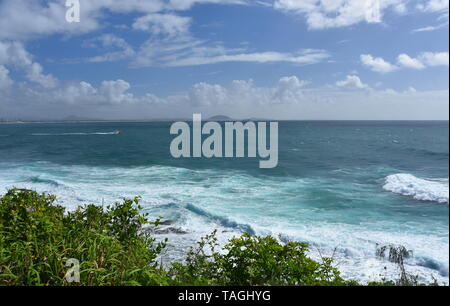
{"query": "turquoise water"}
pixel 343 187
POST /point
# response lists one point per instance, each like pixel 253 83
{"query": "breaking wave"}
pixel 420 189
pixel 37 179
pixel 224 221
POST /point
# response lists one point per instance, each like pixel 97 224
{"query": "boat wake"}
pixel 77 134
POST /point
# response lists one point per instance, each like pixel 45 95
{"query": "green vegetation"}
pixel 114 247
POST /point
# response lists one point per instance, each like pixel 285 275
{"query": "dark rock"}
pixel 167 222
pixel 170 230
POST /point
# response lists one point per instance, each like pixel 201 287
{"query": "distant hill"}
pixel 220 118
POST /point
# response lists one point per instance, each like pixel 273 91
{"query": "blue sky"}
pixel 286 59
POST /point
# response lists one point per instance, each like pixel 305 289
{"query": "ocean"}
pixel 344 187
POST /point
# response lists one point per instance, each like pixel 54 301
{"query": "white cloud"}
pixel 377 64
pixel 411 90
pixel 108 42
pixel 35 74
pixel 406 61
pixel 14 54
pixel 291 82
pixel 115 91
pixel 430 28
pixel 425 59
pixel 163 24
pixel 353 82
pixel 25 19
pixel 204 94
pixel 433 5
pixel 434 58
pixel 301 57
pixel 241 93
pixel 400 8
pixel 5 80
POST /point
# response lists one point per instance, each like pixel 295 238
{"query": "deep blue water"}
pixel 345 185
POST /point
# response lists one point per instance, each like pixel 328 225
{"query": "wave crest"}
pixel 224 221
pixel 420 189
pixel 39 180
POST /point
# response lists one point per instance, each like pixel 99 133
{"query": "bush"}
pixel 37 238
pixel 254 261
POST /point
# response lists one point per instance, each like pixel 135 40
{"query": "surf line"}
pixel 212 146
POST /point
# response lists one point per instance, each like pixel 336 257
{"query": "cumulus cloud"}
pixel 434 58
pixel 5 80
pixel 25 19
pixel 288 90
pixel 240 93
pixel 14 54
pixel 377 64
pixel 352 82
pixel 425 59
pixel 291 82
pixel 115 91
pixel 406 61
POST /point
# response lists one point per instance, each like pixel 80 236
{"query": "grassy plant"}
pixel 37 238
pixel 252 261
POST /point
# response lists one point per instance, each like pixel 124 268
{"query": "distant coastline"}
pixel 209 119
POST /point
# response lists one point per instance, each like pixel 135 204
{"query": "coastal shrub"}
pixel 254 261
pixel 37 238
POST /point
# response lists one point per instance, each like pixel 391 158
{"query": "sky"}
pixel 274 59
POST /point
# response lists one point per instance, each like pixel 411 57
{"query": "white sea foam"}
pixel 199 201
pixel 419 189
